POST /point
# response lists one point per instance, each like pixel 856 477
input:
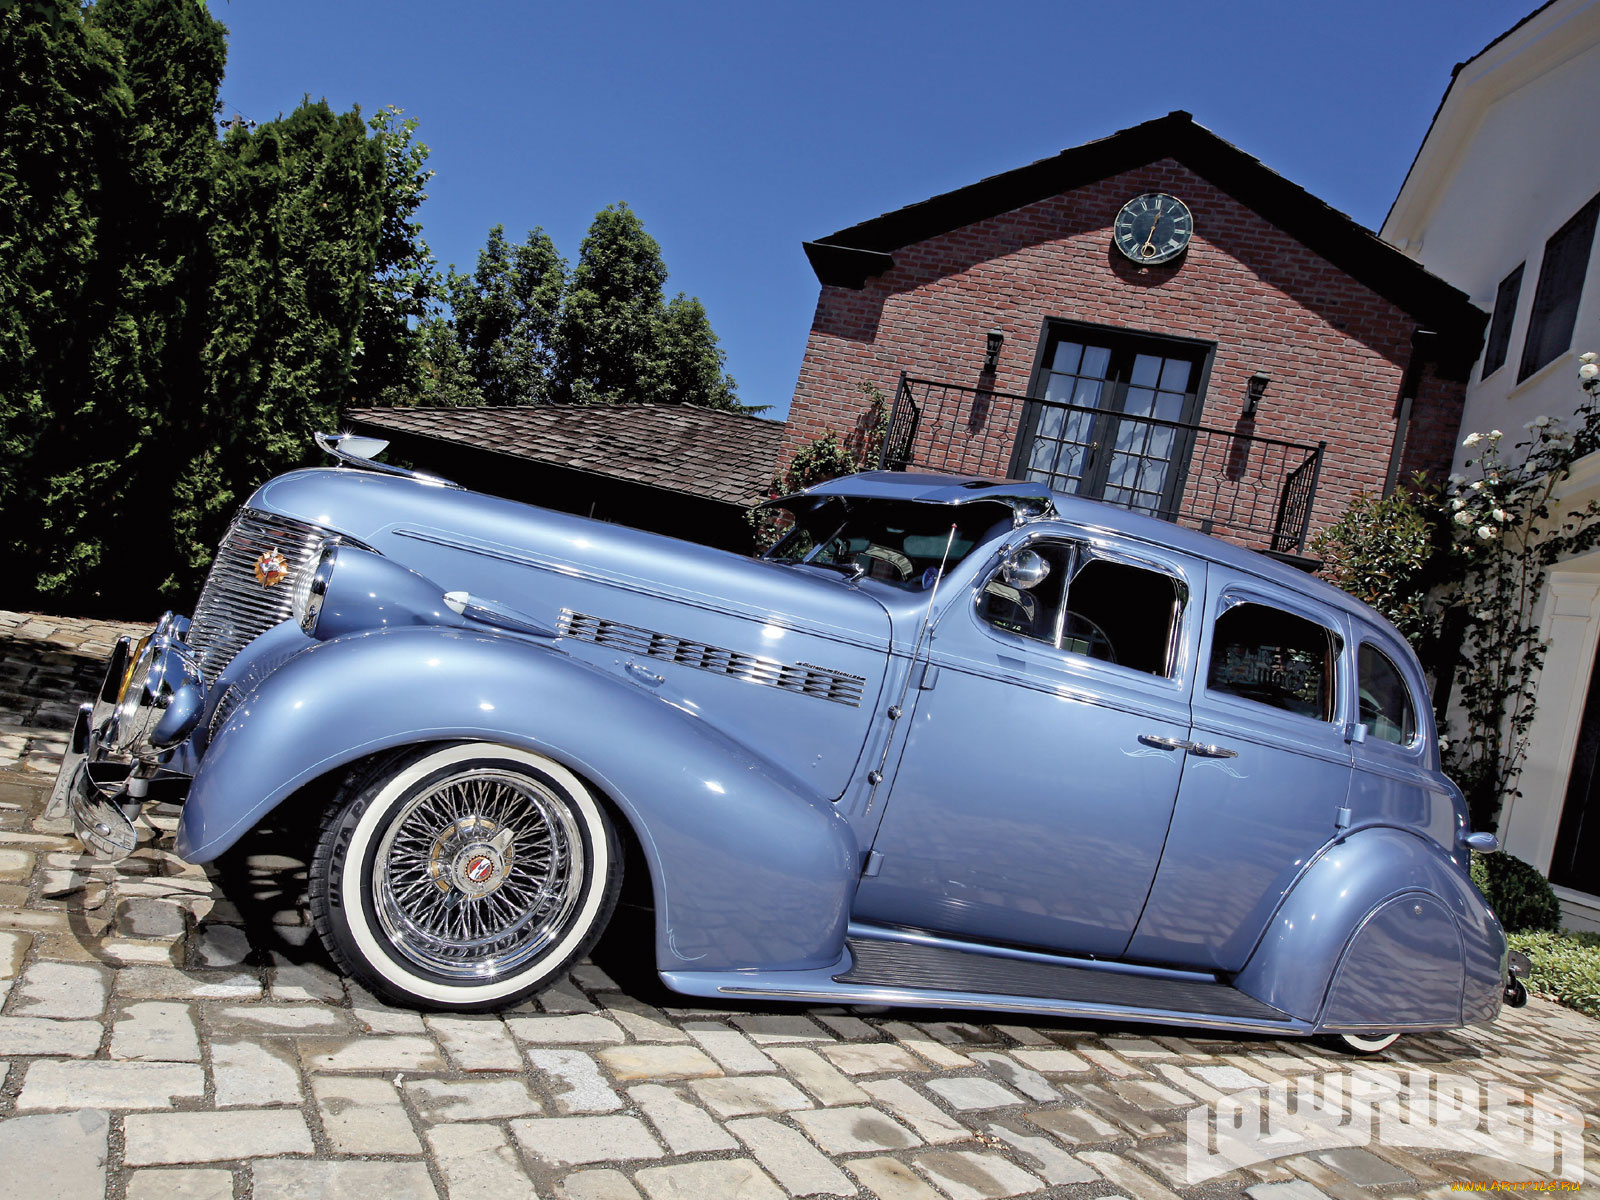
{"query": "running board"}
pixel 909 974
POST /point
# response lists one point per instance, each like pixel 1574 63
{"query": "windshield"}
pixel 899 542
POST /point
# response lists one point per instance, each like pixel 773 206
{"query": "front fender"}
pixel 1317 925
pixel 750 868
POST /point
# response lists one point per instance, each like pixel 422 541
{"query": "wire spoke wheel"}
pixel 478 874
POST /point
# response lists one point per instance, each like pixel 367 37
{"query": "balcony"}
pixel 1256 491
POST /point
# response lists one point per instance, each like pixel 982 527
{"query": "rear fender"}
pixel 1328 918
pixel 748 866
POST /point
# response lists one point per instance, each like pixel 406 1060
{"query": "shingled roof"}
pixel 851 256
pixel 696 451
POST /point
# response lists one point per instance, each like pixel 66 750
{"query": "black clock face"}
pixel 1153 228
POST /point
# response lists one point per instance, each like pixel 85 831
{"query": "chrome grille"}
pixel 805 678
pixel 234 609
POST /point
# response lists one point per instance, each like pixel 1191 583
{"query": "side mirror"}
pixel 1024 570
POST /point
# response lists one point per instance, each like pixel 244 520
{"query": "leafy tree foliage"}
pixel 691 362
pixel 505 317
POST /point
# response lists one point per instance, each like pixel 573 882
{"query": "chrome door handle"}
pixel 1163 743
pixel 1212 751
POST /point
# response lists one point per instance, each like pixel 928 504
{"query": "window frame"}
pixel 1086 547
pixel 1233 595
pixel 1507 296
pixel 1557 269
pixel 1417 747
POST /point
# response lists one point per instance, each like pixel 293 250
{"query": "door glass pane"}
pixel 1146 370
pixel 1066 357
pixel 1272 657
pixel 1175 375
pixel 1385 703
pixel 1096 360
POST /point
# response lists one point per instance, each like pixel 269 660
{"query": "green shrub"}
pixel 1564 967
pixel 1520 896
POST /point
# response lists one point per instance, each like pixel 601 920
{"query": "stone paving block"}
pixel 1026 1080
pixel 849 1028
pixel 308 982
pixel 169 983
pixel 597 1183
pixel 374 1016
pixel 64 990
pixel 790 1159
pixel 855 1130
pixel 1113 1107
pixel 873 1059
pixel 575 1083
pixel 972 1092
pixel 930 1121
pixel 767 1029
pixel 266 1020
pixel 1123 1175
pixel 738 1177
pixel 76 1083
pixel 735 1053
pixel 643 1061
pixel 440 1101
pixel 156 1031
pixel 968 1175
pixel 1076 1126
pixel 15 865
pixel 1110 1063
pixel 479 1162
pixel 476 1043
pixel 371 1054
pixel 156 1183
pixel 219 946
pixel 21 1037
pixel 748 1095
pixel 891 1179
pixel 644 1022
pixel 286 1179
pixel 963 1033
pixel 1151 1096
pixel 1362 1167
pixel 562 997
pixel 1043 1155
pixel 1226 1079
pixel 1294 1189
pixel 147 918
pixel 128 952
pixel 201 1137
pixel 574 1141
pixel 361 1115
pixel 923 1046
pixel 685 1128
pixel 816 1075
pixel 254 1074
pixel 1051 1062
pixel 576 1030
pixel 75 1165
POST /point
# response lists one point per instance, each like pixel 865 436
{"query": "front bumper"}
pixel 149 703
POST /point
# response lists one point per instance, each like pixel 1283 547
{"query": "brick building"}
pixel 1281 361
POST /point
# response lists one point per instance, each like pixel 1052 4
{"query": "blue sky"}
pixel 737 131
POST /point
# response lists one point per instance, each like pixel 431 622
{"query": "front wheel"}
pixel 1354 1043
pixel 463 877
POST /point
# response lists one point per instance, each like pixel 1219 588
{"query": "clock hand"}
pixel 1149 243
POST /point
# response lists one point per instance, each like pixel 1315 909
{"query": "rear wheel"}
pixel 1354 1043
pixel 463 877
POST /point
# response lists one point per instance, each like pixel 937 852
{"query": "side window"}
pixel 1276 658
pixel 1385 702
pixel 1096 607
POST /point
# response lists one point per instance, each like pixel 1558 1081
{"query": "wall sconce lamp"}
pixel 1256 388
pixel 991 355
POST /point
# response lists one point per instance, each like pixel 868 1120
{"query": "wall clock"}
pixel 1153 228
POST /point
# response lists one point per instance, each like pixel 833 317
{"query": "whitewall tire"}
pixel 463 876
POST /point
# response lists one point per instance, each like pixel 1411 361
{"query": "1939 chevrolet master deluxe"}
pixel 953 741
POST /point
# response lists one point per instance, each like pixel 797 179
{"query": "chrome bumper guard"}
pixel 149 701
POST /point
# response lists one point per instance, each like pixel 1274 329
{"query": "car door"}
pixel 1032 798
pixel 1265 780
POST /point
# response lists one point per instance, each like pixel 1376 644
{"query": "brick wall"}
pixel 1335 350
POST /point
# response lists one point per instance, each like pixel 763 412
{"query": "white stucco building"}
pixel 1502 202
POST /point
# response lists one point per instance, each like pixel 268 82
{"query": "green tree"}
pixel 691 360
pixel 505 316
pixel 607 337
pixel 444 379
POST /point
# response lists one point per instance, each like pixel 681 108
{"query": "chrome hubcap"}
pixel 479 874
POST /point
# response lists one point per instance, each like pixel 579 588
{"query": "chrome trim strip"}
pixel 841 687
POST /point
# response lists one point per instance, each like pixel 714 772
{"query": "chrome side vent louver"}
pixel 838 686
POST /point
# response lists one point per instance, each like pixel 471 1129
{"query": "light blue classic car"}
pixel 954 742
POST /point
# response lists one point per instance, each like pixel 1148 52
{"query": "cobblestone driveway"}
pixel 172 1031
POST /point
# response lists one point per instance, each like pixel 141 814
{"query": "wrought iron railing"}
pixel 1244 487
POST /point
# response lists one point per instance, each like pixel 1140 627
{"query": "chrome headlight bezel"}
pixel 311 590
pixel 161 698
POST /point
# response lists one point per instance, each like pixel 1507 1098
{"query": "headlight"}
pixel 161 699
pixel 312 589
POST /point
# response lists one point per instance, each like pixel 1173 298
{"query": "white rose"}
pixel 1457 480
pixel 1463 518
pixel 1476 485
pixel 1589 370
pixel 1499 514
pixel 1472 439
pixel 1541 422
pixel 1587 357
pixel 1444 743
pixel 1486 533
pixel 1495 435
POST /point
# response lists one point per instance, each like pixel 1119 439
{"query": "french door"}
pixel 1110 415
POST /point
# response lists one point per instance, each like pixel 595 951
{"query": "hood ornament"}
pixel 271 568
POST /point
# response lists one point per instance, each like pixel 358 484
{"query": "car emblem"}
pixel 479 869
pixel 272 568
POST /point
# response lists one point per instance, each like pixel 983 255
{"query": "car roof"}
pixel 1095 515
